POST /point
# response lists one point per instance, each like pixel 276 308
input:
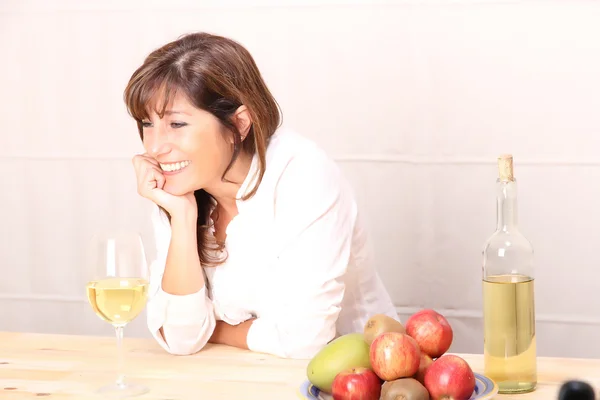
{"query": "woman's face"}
pixel 191 145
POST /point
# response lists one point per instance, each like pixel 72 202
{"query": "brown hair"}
pixel 217 75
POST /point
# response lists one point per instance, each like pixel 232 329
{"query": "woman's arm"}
pixel 312 238
pixel 180 314
pixel 183 273
pixel 231 335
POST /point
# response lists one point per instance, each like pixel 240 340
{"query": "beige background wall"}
pixel 415 99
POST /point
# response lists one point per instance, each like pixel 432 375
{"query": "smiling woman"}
pixel 259 240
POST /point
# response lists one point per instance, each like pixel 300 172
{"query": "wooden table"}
pixel 34 366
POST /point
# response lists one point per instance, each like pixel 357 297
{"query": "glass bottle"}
pixel 508 294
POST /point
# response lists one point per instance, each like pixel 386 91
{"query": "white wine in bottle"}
pixel 508 294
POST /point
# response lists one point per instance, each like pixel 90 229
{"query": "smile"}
pixel 172 167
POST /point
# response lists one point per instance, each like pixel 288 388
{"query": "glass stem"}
pixel 121 375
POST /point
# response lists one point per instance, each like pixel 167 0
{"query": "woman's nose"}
pixel 156 142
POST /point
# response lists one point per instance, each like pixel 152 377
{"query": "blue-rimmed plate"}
pixel 485 389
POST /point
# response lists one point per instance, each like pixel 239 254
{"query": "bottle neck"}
pixel 506 212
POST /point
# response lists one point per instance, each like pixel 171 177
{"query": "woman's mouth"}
pixel 171 168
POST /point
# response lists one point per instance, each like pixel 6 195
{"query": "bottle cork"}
pixel 505 168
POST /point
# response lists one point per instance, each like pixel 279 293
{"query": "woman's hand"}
pixel 150 183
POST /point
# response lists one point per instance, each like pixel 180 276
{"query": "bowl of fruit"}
pixel 389 360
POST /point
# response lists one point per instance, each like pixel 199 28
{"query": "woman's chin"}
pixel 176 190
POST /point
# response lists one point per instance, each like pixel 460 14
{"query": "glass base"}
pixel 122 390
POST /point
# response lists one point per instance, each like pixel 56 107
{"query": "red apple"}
pixel 394 355
pixel 424 365
pixel 356 384
pixel 432 332
pixel 450 378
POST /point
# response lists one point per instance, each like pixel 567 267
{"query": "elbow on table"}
pixel 185 341
pixel 303 352
pixel 304 349
pixel 296 338
pixel 184 348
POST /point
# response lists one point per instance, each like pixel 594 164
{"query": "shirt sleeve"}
pixel 315 218
pixel 187 321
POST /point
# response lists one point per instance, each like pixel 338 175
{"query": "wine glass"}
pixel 117 291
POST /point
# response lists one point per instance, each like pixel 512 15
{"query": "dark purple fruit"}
pixel 576 390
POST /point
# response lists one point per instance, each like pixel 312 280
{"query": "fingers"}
pixel 153 177
pixel 156 177
pixel 139 159
pixel 147 181
pixel 136 160
pixel 143 162
pixel 150 159
pixel 150 183
pixel 149 175
pixel 160 178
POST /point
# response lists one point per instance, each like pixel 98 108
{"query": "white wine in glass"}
pixel 117 291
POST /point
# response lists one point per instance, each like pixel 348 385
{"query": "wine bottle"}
pixel 508 294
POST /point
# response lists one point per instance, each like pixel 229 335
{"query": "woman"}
pixel 258 237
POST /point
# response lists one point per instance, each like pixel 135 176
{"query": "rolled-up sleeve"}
pixel 187 321
pixel 315 218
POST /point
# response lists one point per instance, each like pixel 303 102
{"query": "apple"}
pixel 424 365
pixel 394 355
pixel 356 384
pixel 451 378
pixel 432 332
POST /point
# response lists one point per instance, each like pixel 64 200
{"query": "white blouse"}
pixel 297 260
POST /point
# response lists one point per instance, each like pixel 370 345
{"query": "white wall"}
pixel 415 99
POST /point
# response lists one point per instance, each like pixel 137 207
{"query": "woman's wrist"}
pixel 184 216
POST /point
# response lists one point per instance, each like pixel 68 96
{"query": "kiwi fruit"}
pixel 404 389
pixel 381 323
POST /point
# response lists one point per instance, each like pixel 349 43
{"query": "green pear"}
pixel 345 352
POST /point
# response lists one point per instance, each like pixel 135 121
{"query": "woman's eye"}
pixel 176 125
pixel 146 124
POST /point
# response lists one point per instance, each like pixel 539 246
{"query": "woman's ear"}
pixel 243 121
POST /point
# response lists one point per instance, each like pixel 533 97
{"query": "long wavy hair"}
pixel 217 75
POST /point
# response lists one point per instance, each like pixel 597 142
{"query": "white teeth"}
pixel 174 166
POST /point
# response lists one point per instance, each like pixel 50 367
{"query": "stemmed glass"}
pixel 117 291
